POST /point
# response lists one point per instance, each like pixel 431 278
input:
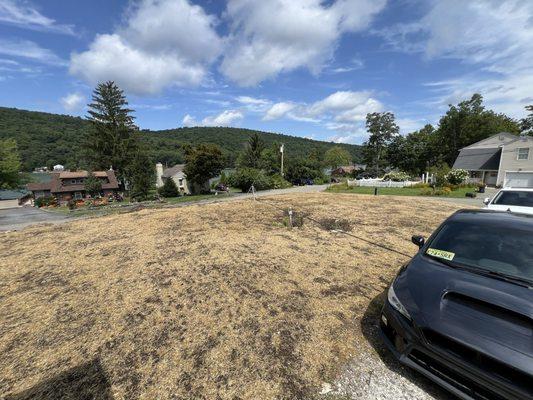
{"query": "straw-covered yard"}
pixel 219 301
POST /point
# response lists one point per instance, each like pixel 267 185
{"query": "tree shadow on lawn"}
pixel 370 330
pixel 86 381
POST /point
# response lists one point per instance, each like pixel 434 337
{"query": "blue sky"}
pixel 308 68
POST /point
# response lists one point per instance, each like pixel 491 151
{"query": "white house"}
pixel 503 160
pixel 59 168
pixel 175 173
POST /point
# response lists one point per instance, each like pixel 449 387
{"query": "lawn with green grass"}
pixel 405 191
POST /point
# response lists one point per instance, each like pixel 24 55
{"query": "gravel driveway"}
pixel 21 217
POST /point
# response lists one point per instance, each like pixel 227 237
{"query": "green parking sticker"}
pixel 447 255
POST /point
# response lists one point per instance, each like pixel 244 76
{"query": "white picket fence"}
pixel 379 183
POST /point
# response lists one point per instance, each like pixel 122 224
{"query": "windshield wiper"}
pixel 509 278
pixel 485 272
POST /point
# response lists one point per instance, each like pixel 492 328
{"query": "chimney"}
pixel 159 174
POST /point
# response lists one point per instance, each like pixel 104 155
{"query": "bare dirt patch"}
pixel 216 301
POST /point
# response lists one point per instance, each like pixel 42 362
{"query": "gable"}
pixel 494 141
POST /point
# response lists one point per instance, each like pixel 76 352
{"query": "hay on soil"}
pixel 204 302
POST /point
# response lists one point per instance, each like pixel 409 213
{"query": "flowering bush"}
pixel 396 176
pixel 457 176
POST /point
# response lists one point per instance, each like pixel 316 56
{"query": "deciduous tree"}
pixel 382 129
pixel 202 163
pixel 9 164
pixel 336 157
pixel 93 185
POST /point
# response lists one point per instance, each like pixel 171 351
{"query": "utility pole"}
pixel 281 149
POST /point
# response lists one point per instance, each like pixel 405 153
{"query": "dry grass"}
pixel 217 301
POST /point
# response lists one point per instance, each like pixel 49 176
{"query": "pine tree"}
pixel 141 175
pixel 93 185
pixel 113 138
pixel 169 188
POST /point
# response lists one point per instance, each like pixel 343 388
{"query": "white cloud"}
pixel 24 15
pixel 271 37
pixel 348 106
pixel 29 50
pixel 342 111
pixel 254 104
pixel 252 100
pixel 226 118
pixel 73 101
pixel 163 43
pixel 493 37
pixel 278 110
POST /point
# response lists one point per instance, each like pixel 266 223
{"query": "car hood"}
pixel 515 209
pixel 449 305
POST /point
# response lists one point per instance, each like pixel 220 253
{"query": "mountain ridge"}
pixel 46 139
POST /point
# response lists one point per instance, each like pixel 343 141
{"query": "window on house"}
pixel 523 153
pixel 180 182
pixel 77 195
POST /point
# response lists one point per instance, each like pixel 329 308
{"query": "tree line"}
pixel 435 147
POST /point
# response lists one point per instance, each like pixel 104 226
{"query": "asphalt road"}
pixel 17 218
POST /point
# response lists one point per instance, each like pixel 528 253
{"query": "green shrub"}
pixel 169 189
pixel 278 182
pixel 439 173
pixel 244 178
pixel 45 201
pixel 396 176
pixel 457 176
pixel 71 204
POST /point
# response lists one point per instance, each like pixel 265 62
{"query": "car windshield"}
pixel 495 248
pixel 514 198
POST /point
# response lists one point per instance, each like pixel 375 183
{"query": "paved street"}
pixel 18 218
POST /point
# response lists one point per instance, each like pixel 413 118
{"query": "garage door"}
pixel 519 179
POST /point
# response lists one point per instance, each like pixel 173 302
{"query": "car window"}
pixel 514 198
pixel 493 247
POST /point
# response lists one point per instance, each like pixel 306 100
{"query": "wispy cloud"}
pixel 225 118
pixel 73 101
pixel 25 15
pixel 31 51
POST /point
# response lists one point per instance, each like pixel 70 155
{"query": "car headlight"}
pixel 395 303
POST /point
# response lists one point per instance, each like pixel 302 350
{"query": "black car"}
pixel 461 311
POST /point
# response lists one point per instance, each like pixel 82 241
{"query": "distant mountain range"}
pixel 46 139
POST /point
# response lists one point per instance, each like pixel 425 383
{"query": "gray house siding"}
pixel 494 157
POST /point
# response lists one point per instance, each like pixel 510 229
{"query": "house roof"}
pixel 81 174
pixel 55 185
pixel 478 159
pixel 169 172
pixel 12 194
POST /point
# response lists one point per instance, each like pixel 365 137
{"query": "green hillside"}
pixel 46 139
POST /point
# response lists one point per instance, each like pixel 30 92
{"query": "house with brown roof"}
pixel 175 173
pixel 68 185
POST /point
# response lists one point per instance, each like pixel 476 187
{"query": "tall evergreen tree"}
pixel 141 175
pixel 112 139
pixel 382 129
pixel 251 156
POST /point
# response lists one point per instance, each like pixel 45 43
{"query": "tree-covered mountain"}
pixel 46 139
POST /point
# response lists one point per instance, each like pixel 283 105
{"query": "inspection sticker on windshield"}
pixel 447 255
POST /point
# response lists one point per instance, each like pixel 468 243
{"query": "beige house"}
pixel 500 160
pixel 175 173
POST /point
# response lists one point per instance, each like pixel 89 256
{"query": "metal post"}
pixel 375 191
pixel 281 150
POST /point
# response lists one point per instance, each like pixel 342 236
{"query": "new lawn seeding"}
pixel 216 301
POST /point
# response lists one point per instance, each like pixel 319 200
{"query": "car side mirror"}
pixel 486 201
pixel 418 240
